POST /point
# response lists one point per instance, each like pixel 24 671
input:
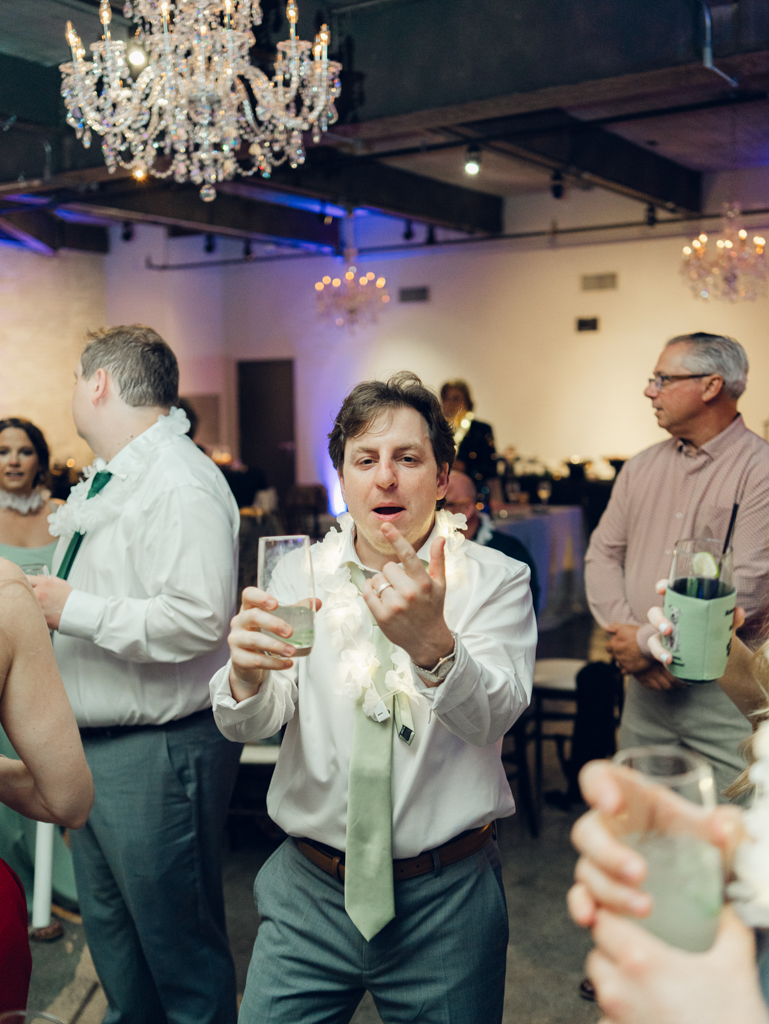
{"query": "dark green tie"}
pixel 99 481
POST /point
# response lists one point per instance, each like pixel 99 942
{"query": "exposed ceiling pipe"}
pixel 378 250
pixel 707 50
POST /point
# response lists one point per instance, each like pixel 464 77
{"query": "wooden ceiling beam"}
pixel 181 206
pixel 43 233
pixel 646 84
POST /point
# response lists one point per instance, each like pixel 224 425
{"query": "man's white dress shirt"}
pixel 154 585
pixel 450 778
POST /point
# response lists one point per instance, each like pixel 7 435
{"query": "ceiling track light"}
pixel 556 185
pixel 408 231
pixel 473 159
pixel 248 253
pixel 209 245
pixel 651 215
pixel 127 233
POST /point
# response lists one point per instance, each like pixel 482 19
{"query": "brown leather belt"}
pixel 411 867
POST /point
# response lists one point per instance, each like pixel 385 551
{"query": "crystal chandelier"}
pixel 354 297
pixel 199 111
pixel 731 267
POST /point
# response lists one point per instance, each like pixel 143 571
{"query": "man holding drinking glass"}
pixel 684 487
pixel 389 776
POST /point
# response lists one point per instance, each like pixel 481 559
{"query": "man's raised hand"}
pixel 407 600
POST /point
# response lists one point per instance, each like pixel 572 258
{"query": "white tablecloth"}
pixel 556 541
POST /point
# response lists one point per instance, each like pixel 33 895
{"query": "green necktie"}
pixel 98 482
pixel 369 897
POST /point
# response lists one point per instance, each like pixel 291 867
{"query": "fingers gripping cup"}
pixel 699 604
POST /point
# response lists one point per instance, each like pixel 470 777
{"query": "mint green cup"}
pixel 699 603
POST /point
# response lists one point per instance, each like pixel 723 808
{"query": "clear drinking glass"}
pixel 36 569
pixel 544 490
pixel 284 562
pixel 685 876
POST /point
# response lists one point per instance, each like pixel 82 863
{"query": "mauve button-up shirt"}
pixel 672 491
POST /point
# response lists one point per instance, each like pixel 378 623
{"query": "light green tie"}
pixel 98 482
pixel 368 870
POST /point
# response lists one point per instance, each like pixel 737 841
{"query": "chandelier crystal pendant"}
pixel 199 111
pixel 729 267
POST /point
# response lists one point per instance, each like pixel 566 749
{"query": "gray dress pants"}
pixel 149 873
pixel 700 717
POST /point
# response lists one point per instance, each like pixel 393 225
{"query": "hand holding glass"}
pixel 684 877
pixel 289 558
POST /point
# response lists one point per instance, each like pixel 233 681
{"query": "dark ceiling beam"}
pixel 641 86
pixel 349 182
pixel 43 233
pixel 601 156
pixel 181 206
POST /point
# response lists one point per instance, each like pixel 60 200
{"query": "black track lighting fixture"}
pixel 430 235
pixel 127 233
pixel 651 215
pixel 556 185
pixel 408 231
pixel 247 250
pixel 473 159
pixel 209 245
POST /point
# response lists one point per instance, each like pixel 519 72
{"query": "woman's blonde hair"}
pixel 759 669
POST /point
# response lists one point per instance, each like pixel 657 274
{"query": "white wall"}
pixel 500 315
pixel 47 303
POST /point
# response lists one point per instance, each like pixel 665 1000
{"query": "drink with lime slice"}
pixel 699 603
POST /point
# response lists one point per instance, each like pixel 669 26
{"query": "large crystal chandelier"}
pixel 354 297
pixel 199 111
pixel 728 267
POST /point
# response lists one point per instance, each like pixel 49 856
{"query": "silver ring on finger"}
pixel 381 590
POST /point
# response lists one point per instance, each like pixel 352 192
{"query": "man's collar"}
pixel 717 445
pixel 120 465
pixel 349 554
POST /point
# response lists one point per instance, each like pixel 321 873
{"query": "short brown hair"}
pixel 367 400
pixel 38 442
pixel 458 385
pixel 141 364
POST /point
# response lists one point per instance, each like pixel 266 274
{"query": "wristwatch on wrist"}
pixel 442 667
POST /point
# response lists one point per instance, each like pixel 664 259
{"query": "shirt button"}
pixel 678 515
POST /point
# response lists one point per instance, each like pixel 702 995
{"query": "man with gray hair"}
pixel 683 487
pixel 140 606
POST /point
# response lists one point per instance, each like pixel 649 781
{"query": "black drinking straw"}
pixel 729 532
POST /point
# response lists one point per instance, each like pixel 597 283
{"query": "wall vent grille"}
pixel 598 282
pixel 414 295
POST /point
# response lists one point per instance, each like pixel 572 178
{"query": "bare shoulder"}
pixel 17 598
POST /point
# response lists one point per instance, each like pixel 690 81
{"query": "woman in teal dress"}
pixel 25 504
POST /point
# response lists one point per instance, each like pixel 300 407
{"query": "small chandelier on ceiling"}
pixel 354 297
pixel 729 267
pixel 199 111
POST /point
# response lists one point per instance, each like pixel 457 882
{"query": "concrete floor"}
pixel 546 952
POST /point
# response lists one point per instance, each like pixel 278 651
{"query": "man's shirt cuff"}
pixel 81 615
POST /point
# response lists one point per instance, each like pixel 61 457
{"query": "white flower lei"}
pixel 79 515
pixel 25 503
pixel 751 864
pixel 348 617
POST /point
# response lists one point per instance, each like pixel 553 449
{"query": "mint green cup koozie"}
pixel 701 637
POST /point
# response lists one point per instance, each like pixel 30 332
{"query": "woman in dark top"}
pixel 476 450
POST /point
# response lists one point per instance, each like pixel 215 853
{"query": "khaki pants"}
pixel 700 717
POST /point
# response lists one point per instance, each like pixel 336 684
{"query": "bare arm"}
pixel 52 781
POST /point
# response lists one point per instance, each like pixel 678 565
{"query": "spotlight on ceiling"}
pixel 651 215
pixel 556 185
pixel 408 231
pixel 473 159
pixel 127 232
pixel 248 253
pixel 210 244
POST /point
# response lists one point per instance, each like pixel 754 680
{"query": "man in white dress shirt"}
pixel 422 660
pixel 147 550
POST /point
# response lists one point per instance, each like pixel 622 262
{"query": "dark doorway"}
pixel 266 411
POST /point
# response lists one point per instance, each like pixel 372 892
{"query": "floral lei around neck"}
pixel 24 504
pixel 349 621
pixel 79 515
